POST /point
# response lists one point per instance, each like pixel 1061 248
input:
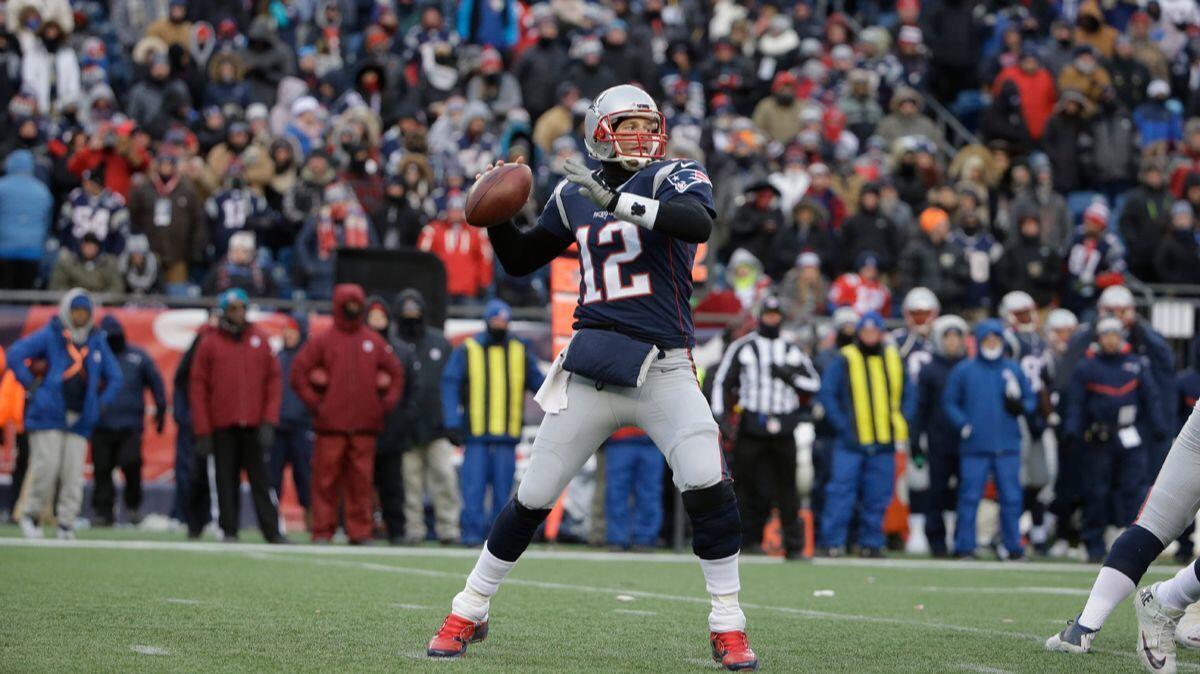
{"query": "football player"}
pixel 637 221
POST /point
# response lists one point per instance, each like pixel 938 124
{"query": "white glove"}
pixel 589 186
pixel 966 432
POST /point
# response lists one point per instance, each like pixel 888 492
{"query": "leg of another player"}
pixel 1170 507
pixel 564 442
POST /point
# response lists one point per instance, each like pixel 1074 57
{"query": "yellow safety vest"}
pixel 496 384
pixel 876 389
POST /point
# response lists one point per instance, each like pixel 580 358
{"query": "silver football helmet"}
pixel 634 150
pixel 1117 301
pixel 920 307
pixel 1019 311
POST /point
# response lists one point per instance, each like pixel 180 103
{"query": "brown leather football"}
pixel 499 195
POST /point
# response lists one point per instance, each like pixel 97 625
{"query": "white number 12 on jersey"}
pixel 631 249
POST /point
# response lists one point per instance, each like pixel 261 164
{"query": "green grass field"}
pixel 109 603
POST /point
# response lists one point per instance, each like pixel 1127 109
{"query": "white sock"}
pixel 473 602
pixel 1182 590
pixel 1111 588
pixel 721 579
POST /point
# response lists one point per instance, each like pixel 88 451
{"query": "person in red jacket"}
pixel 464 250
pixel 1036 86
pixel 235 391
pixel 349 378
pixel 118 151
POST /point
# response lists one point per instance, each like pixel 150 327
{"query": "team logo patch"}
pixel 435 354
pixel 368 346
pixel 255 342
pixel 686 178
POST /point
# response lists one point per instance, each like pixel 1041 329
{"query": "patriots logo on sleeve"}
pixel 687 177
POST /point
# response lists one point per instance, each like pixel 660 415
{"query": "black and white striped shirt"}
pixel 745 376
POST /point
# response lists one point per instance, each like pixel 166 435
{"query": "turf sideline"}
pixel 560 555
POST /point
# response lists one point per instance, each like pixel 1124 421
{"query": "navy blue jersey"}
pixel 1028 350
pixel 633 280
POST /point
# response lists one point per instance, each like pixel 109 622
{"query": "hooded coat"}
pixel 234 381
pixel 46 408
pixel 352 356
pixel 25 209
pixel 138 373
pixel 974 397
pixel 428 351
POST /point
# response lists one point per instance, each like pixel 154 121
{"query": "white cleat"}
pixel 1074 638
pixel 29 528
pixel 1156 631
pixel 1187 633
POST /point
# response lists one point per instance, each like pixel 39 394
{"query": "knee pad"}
pixel 1133 552
pixel 513 530
pixel 716 526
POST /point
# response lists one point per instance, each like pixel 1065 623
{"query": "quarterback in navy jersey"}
pixel 637 220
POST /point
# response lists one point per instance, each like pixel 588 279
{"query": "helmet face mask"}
pixel 607 141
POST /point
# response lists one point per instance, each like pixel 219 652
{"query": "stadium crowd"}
pixel 862 171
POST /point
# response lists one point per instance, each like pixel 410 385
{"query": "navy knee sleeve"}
pixel 1133 552
pixel 513 529
pixel 716 526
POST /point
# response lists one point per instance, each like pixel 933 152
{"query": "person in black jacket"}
pixel 540 68
pixel 193 488
pixel 389 448
pixel 870 230
pixel 294 435
pixel 1144 221
pixel 397 224
pixel 117 440
pixel 939 445
pixel 758 226
pixel 1004 121
pixel 1178 257
pixel 1069 142
pixel 429 457
pixel 1028 264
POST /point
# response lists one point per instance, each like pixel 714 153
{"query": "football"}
pixel 499 194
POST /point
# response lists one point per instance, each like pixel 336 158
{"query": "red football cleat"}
pixel 732 651
pixel 452 639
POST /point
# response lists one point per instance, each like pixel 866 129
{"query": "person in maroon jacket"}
pixel 349 378
pixel 235 391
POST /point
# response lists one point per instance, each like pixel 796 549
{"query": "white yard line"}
pixel 552 554
pixel 972 667
pixel 142 649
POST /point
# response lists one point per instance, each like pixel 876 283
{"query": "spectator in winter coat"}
pixel 1095 260
pixel 1112 393
pixel 167 209
pixel 349 378
pixel 235 392
pixel 233 209
pixel 1028 264
pixel 50 68
pixel 146 96
pixel 491 369
pixel 82 378
pixel 463 249
pixel 226 85
pixel 1117 151
pixel 294 437
pixel 429 457
pixel 955 54
pixel 1130 76
pixel 1178 255
pixel 1085 75
pixel 90 269
pixel 862 291
pixel 931 261
pixel 861 104
pixel 870 230
pixel 1159 119
pixel 174 28
pixel 1035 194
pixel 977 251
pixel 540 68
pixel 1004 120
pixel 984 398
pixel 267 60
pixel 906 120
pixel 115 155
pixel 779 115
pixel 391 442
pixel 397 223
pixel 25 210
pixel 139 266
pixel 949 343
pixel 1035 85
pixel 1091 29
pixel 814 233
pixel 1144 221
pixel 759 227
pixel 1070 143
pixel 340 223
pixel 494 86
pixel 239 268
pixel 117 440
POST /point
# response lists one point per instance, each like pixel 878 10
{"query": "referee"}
pixel 761 387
